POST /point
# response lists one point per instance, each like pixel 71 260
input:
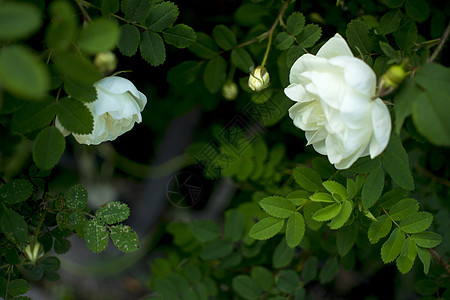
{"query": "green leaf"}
pixel 113 212
pixel 22 73
pixel 283 41
pixel 266 228
pixel 242 60
pixel 278 207
pixel 372 189
pixel 81 93
pixel 365 165
pixel 288 281
pixel 215 74
pixel 346 238
pixel 185 73
pixel 425 258
pixel 110 7
pixel 216 249
pixel 263 276
pixel 310 34
pixel 417 222
pixel 72 220
pixel 234 225
pixel 205 230
pixel 307 178
pixel 204 47
pixel 249 14
pixel 430 109
pixel 406 36
pixel 390 21
pixel 396 163
pixel 96 235
pixel 246 287
pixel 124 238
pixel 99 35
pixel 329 270
pixel 358 36
pixel 181 36
pixel 295 229
pixel 137 10
pixel 309 271
pixel 379 229
pixel 128 40
pixel 343 215
pixel 427 239
pixel 76 68
pixel 33 116
pixel 292 55
pixel 18 287
pixel 152 48
pixel 327 213
pixel 389 51
pixel 403 209
pixel 76 197
pixel 393 3
pixel 295 23
pixel 418 10
pixel 18 20
pixel 63 25
pixel 393 246
pixel 322 197
pixel 262 96
pixel 298 198
pixel 335 187
pixel 283 255
pixel 224 37
pixel 14 226
pixel 403 105
pixel 15 191
pixel 74 116
pixel 392 197
pixel 48 147
pixel 406 259
pixel 323 167
pixel 162 16
pixel 308 211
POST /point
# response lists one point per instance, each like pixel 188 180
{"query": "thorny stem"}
pixel 445 265
pixel 272 29
pixel 440 46
pixel 80 4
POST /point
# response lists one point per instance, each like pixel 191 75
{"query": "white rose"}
pixel 259 79
pixel 336 104
pixel 117 107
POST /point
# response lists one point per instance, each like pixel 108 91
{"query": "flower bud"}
pixel 105 62
pixel 34 251
pixel 393 77
pixel 259 79
pixel 230 90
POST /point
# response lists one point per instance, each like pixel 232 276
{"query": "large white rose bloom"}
pixel 117 107
pixel 336 104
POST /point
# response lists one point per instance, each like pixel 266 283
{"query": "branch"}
pixel 443 39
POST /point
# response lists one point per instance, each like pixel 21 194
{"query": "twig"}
pixel 432 176
pixel 443 39
pixel 440 260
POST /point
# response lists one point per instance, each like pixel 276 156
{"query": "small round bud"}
pixel 105 62
pixel 259 79
pixel 230 90
pixel 393 77
pixel 34 251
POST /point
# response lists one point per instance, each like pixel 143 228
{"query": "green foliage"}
pixel 18 20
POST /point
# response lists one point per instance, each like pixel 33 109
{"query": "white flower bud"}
pixel 34 251
pixel 105 62
pixel 230 90
pixel 259 79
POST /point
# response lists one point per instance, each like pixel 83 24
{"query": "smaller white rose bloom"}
pixel 117 107
pixel 230 90
pixel 259 79
pixel 336 104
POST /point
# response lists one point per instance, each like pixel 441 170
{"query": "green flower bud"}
pixel 34 251
pixel 393 77
pixel 259 79
pixel 105 62
pixel 230 90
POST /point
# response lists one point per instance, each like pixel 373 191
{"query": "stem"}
pixel 433 177
pixel 83 11
pixel 271 31
pixel 440 46
pixel 440 260
pixel 39 226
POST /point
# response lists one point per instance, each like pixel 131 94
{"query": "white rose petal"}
pixel 117 108
pixel 336 105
